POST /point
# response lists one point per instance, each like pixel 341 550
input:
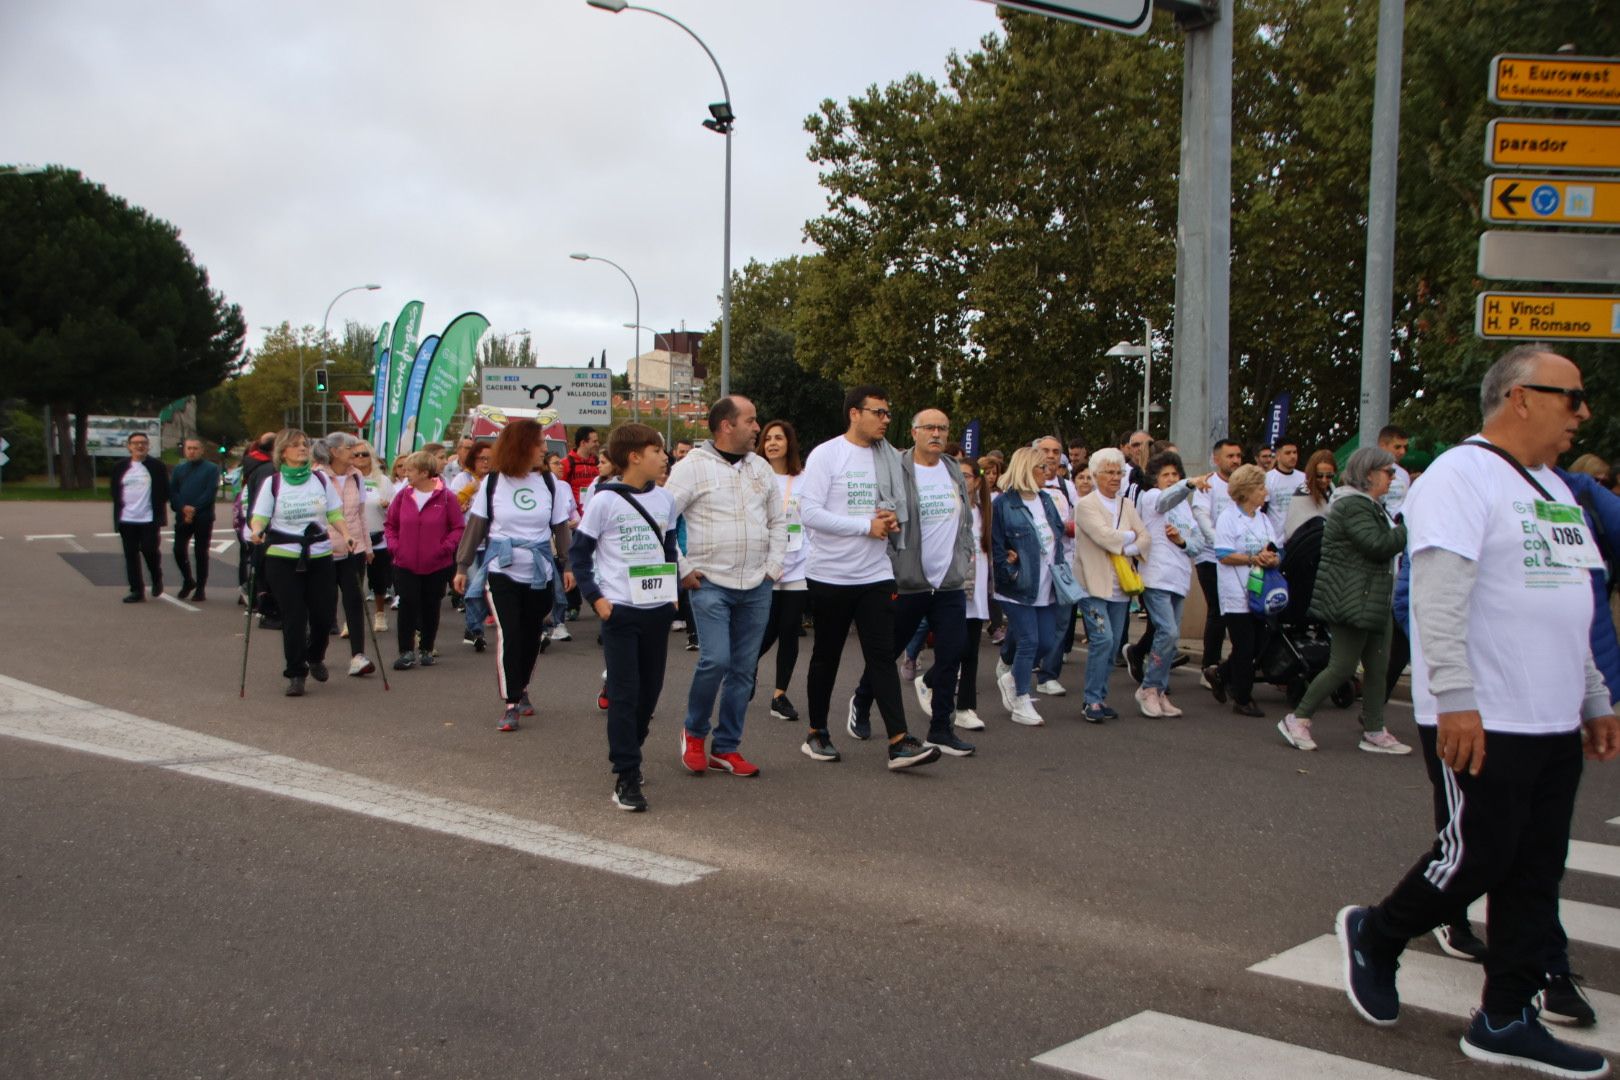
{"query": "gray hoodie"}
pixel 905 547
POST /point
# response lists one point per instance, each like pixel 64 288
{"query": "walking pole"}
pixel 247 633
pixel 376 646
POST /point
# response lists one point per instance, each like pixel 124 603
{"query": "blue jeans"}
pixel 1032 632
pixel 1105 626
pixel 477 606
pixel 1051 661
pixel 1164 612
pixel 730 625
pixel 559 606
pixel 914 647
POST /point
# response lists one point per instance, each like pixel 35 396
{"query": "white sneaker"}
pixel 344 632
pixel 560 633
pixel 967 720
pixel 1382 742
pixel 1023 712
pixel 1148 702
pixel 394 603
pixel 361 666
pixel 678 624
pixel 1002 667
pixel 1051 688
pixel 1009 690
pixel 1296 732
pixel 925 696
pixel 379 623
pixel 1165 707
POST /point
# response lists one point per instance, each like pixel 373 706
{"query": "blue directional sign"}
pixel 1544 200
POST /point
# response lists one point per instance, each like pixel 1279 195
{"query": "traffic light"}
pixel 320 380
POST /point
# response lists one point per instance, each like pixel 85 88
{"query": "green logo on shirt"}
pixel 523 499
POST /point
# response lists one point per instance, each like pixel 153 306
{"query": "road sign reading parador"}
pixel 1551 200
pixel 1553 144
pixel 1588 82
pixel 1509 316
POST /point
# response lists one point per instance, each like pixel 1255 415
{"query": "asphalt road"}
pixel 954 922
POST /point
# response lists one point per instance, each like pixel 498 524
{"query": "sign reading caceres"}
pixel 1584 145
pixel 1508 316
pixel 1588 82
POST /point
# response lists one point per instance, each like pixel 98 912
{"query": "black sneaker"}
pixel 269 622
pixel 783 709
pixel 318 672
pixel 136 598
pixel 1527 1044
pixel 571 614
pixel 186 589
pixel 405 661
pixel 472 638
pixel 1096 713
pixel 426 659
pixel 295 686
pixel 1459 941
pixel 1217 685
pixel 1248 708
pixel 478 643
pixel 1134 661
pixel 818 747
pixel 909 752
pixel 948 743
pixel 1369 979
pixel 627 793
pixel 1563 1002
pixel 1181 660
pixel 860 727
pixel 691 643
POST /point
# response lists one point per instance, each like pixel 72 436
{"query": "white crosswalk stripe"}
pixel 1154 1045
pixel 1429 982
pixel 1593 858
pixel 1593 924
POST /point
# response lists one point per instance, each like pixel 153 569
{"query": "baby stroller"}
pixel 1294 649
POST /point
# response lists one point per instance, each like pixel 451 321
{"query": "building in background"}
pixel 671 371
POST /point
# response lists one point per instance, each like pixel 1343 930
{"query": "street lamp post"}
pixel 669 382
pixel 1145 351
pixel 635 402
pixel 324 319
pixel 721 120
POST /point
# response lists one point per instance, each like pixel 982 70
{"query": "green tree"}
pixel 102 306
pixel 24 429
pixel 268 389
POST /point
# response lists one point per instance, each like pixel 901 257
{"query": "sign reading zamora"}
pixel 1555 81
pixel 1506 316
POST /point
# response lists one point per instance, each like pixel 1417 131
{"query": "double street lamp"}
pixel 721 119
pixel 1145 351
pixel 635 402
pixel 324 319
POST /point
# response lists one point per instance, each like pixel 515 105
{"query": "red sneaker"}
pixel 602 699
pixel 733 763
pixel 693 754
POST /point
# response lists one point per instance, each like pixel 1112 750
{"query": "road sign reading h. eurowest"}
pixel 1508 316
pixel 1553 144
pixel 1551 200
pixel 1587 82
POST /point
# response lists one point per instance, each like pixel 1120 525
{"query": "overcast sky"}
pixel 456 153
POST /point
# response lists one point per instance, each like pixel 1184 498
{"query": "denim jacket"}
pixel 1012 526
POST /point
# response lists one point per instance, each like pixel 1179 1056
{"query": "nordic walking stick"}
pixel 247 633
pixel 376 647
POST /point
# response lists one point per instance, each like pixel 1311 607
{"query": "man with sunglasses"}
pixel 1395 440
pixel 1507 698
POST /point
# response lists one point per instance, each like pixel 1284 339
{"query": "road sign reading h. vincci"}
pixel 1122 16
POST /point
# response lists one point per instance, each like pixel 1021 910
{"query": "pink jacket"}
pixel 423 541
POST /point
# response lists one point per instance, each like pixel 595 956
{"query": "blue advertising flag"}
pixel 970 440
pixel 407 441
pixel 1277 422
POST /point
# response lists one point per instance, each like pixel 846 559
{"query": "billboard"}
pixel 106 436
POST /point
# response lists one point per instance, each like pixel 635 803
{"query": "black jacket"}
pixel 160 490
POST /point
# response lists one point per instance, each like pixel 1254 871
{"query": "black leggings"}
pixel 353 594
pixel 782 628
pixel 420 598
pixel 307 600
pixel 967 678
pixel 1238 669
pixel 519 611
pixel 141 542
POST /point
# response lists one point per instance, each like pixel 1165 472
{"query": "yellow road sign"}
pixel 1505 316
pixel 1553 144
pixel 1588 82
pixel 1551 200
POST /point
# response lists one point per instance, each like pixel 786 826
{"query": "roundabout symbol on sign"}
pixel 1544 200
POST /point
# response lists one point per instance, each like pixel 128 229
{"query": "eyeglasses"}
pixel 884 413
pixel 1575 395
pixel 1326 475
pixel 930 427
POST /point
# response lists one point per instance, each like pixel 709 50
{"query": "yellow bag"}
pixel 1130 582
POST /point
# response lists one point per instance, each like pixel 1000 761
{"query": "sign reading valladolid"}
pixel 579 395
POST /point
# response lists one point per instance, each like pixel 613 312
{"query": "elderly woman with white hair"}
pixel 1106 525
pixel 1355 582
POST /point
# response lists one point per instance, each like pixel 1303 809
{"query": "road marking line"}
pixel 76 546
pixel 178 603
pixel 103 535
pixel 1593 858
pixel 1428 982
pixel 1591 923
pixel 1154 1045
pixel 51 536
pixel 45 716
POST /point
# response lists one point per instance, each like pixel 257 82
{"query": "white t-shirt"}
pixel 1215 501
pixel 1528 621
pixel 137 490
pixel 837 500
pixel 296 506
pixel 798 550
pixel 1168 567
pixel 1048 539
pixel 525 512
pixel 623 539
pixel 1065 496
pixel 939 512
pixel 1241 534
pixel 1280 488
pixel 1395 497
pixel 978 605
pixel 378 492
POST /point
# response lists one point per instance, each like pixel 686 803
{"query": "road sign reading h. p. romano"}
pixel 1588 82
pixel 1508 316
pixel 1122 16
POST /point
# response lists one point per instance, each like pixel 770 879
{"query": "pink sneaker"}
pixel 1297 732
pixel 1382 742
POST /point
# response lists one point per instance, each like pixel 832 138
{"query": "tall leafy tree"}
pixel 102 306
pixel 268 389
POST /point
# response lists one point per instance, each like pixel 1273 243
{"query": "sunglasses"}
pixel 1326 475
pixel 362 453
pixel 1575 395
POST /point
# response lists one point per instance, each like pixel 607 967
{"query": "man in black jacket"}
pixel 193 489
pixel 140 492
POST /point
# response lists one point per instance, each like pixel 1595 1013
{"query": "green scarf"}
pixel 295 474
